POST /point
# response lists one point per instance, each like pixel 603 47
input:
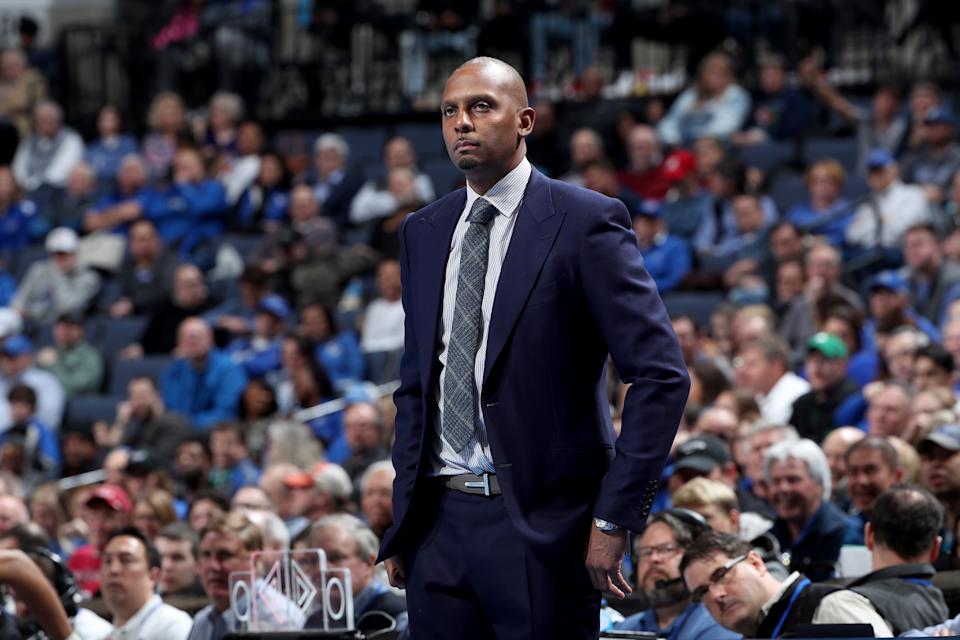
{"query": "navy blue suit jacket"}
pixel 572 289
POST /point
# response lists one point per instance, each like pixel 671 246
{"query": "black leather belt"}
pixel 482 485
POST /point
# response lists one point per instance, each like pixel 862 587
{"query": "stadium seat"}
pixel 123 370
pixel 787 190
pixel 696 304
pixel 117 333
pixel 843 150
pixel 445 176
pixel 427 140
pixel 245 244
pixel 366 143
pixel 855 187
pixel 85 410
pixel 27 257
pixel 766 156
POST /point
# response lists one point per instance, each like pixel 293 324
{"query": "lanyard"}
pixel 793 598
pixel 921 581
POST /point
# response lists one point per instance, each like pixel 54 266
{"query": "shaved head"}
pixel 502 74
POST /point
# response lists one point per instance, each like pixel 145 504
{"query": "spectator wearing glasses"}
pixel 659 550
pixel 732 582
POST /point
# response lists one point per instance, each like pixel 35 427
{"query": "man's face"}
pixel 101 520
pixel 65 261
pixel 748 214
pixel 663 561
pixel 399 153
pixel 194 340
pixel 226 448
pixel 67 334
pixel 823 264
pixel 388 280
pixel 888 412
pixel 824 372
pixel 921 251
pixel 789 281
pixel 642 147
pixel 927 375
pixel 881 178
pixel 736 600
pixel 759 443
pixel 868 475
pixel 178 566
pixel 361 428
pixel 12 513
pixel 328 160
pixel 202 513
pixel 220 555
pixel 303 204
pixel 793 492
pixel 377 500
pixel 313 324
pixel 687 336
pixel 940 469
pixel 898 353
pixel 342 553
pixel 754 372
pixel 482 122
pixel 188 167
pixel 47 121
pixel 786 244
pixel 131 177
pixel 884 302
pixel 126 580
pixel 301 500
pixel 189 290
pixel 823 186
pixel 144 242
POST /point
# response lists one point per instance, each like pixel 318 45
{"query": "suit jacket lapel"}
pixel 438 230
pixel 533 236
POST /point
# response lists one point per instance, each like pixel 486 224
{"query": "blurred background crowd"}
pixel 199 288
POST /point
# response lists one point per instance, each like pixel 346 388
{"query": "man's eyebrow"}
pixel 479 97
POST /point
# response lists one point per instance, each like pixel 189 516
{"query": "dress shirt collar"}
pixel 508 192
pixel 784 586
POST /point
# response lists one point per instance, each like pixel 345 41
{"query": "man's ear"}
pixel 868 536
pixel 528 118
pixel 154 576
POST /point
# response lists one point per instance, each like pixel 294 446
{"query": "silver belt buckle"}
pixel 484 484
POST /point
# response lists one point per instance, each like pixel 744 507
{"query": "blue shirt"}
pixel 667 261
pixel 256 359
pixel 245 474
pixel 19 226
pixel 105 159
pixel 831 223
pixel 693 623
pixel 341 358
pixel 205 396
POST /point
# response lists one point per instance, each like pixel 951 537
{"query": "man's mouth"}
pixel 462 145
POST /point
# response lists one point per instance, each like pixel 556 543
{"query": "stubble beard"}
pixel 468 164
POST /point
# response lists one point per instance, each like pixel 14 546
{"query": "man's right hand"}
pixel 394 568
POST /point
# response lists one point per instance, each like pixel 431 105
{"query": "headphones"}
pixel 63 580
pixel 695 523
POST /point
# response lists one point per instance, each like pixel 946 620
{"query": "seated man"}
pixel 202 384
pixel 872 467
pixel 108 508
pixel 667 257
pixel 376 496
pixel 810 527
pixel 903 538
pixel 143 422
pixel 178 547
pixel 130 567
pixel 733 583
pixel 351 544
pixel 17 367
pixel 658 552
pixel 73 360
pixel 814 413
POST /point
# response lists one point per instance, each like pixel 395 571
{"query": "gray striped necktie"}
pixel 459 383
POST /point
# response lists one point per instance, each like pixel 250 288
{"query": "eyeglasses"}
pixel 717 577
pixel 662 550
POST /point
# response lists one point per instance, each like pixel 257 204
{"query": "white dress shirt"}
pixel 777 405
pixel 155 621
pixel 900 207
pixel 506 196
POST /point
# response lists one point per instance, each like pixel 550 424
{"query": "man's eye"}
pixel 449 111
pixel 482 106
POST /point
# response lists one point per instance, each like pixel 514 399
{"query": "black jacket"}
pixel 904 595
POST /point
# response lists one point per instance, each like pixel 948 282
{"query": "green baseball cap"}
pixel 827 344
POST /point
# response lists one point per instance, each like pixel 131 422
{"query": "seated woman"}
pixel 827 213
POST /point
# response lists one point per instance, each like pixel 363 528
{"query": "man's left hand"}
pixel 604 558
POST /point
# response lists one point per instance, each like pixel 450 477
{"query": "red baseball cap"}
pixel 299 480
pixel 113 496
pixel 678 165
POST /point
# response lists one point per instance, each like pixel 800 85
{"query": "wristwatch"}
pixel 605 526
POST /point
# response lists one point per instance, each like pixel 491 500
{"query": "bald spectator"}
pixel 872 467
pixel 894 207
pixel 645 175
pixel 58 284
pixel 202 384
pixel 888 410
pixel 816 412
pixel 251 499
pixel 376 496
pixel 189 297
pixel 375 199
pixel 835 447
pixel 586 146
pixel 45 158
pixel 335 183
pixel 763 367
pixel 810 527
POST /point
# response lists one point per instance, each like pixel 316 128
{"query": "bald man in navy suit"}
pixel 513 496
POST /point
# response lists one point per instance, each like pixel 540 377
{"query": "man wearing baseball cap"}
pixel 58 284
pixel 666 257
pixel 940 473
pixel 108 508
pixel 934 164
pixel 889 305
pixel 259 353
pixel 815 412
pixel 17 367
pixel 893 208
pixel 688 203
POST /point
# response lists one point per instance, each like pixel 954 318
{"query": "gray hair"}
pixel 271 528
pixel 229 102
pixel 333 480
pixel 332 141
pixel 368 545
pixel 806 451
pixel 376 467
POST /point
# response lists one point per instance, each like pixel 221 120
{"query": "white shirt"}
pixel 839 607
pixel 777 405
pixel 89 626
pixel 382 326
pixel 155 621
pixel 901 206
pixel 506 196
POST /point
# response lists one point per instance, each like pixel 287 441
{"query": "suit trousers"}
pixel 471 576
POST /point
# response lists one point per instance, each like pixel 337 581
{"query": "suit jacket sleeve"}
pixel 628 311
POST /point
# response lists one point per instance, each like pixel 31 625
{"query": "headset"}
pixel 63 580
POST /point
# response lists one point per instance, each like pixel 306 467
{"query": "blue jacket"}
pixel 205 397
pixel 19 226
pixel 832 223
pixel 341 358
pixel 45 456
pixel 667 261
pixel 256 361
pixel 273 208
pixel 693 623
pixel 245 474
pixel 187 214
pixel 106 160
pixel 817 548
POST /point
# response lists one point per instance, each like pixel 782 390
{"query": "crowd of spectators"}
pixel 193 322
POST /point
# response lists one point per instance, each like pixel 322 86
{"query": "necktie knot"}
pixel 482 212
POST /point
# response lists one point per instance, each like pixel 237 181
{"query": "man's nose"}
pixel 463 123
